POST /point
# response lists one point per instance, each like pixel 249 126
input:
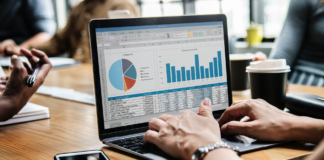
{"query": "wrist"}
pixel 307 129
pixel 8 108
pixel 203 151
pixel 196 143
pixel 221 153
pixel 10 100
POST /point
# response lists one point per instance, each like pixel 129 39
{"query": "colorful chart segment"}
pixel 122 75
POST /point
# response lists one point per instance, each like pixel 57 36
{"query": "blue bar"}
pixel 193 73
pixel 168 72
pixel 173 74
pixel 207 73
pixel 197 66
pixel 166 91
pixel 202 70
pixel 158 26
pixel 220 63
pixel 211 71
pixel 215 67
pixel 183 71
pixel 178 76
pixel 188 75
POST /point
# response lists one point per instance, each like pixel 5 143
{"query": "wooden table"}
pixel 73 126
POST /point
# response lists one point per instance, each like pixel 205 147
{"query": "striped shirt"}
pixel 304 78
pixel 301 42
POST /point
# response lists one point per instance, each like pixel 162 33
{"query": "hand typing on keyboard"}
pixel 269 123
pixel 180 136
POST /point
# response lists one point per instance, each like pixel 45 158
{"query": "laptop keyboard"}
pixel 135 144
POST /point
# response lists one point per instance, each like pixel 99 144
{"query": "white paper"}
pixel 68 94
pixel 29 112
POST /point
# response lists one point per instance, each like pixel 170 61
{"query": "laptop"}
pixel 145 67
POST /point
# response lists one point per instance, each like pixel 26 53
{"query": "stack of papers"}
pixel 57 62
pixel 30 112
pixel 68 94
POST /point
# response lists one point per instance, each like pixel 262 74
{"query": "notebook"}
pixel 305 105
pixel 30 112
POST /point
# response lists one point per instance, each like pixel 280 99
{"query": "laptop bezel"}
pixel 106 23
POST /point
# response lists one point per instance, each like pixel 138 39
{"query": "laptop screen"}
pixel 147 71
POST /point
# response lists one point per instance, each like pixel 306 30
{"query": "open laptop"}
pixel 145 67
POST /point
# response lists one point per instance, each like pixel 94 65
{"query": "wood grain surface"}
pixel 73 126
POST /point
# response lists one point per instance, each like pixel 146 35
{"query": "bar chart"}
pixel 196 71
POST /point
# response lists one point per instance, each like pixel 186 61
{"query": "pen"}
pixel 32 78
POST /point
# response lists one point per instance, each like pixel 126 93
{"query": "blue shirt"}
pixel 22 19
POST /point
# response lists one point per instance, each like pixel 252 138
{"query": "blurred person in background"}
pixel 301 42
pixel 74 37
pixel 25 23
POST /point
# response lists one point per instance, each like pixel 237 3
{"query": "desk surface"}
pixel 73 126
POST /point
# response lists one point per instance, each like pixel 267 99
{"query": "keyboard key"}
pixel 140 151
pixel 135 148
pixel 131 145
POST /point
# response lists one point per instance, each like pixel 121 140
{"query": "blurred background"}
pixel 270 14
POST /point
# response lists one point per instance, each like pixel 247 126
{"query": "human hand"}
pixel 3 82
pixel 259 56
pixel 180 136
pixel 265 121
pixel 9 47
pixel 17 90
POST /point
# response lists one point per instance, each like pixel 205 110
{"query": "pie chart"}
pixel 122 74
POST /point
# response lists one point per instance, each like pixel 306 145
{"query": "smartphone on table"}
pixel 83 155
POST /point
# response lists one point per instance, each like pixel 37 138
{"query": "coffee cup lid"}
pixel 269 66
pixel 239 57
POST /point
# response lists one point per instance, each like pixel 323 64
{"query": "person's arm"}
pixel 39 15
pixel 268 123
pixel 9 47
pixel 180 136
pixel 17 93
pixel 35 40
pixel 293 32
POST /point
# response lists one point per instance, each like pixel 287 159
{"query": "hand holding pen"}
pixel 32 78
pixel 17 91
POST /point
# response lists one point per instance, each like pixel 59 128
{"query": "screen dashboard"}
pixel 146 71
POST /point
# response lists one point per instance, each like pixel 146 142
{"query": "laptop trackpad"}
pixel 245 143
